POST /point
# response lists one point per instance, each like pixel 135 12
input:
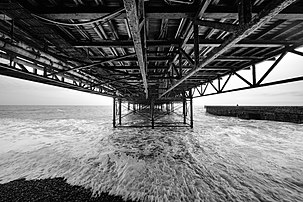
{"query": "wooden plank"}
pixel 264 17
pixel 133 20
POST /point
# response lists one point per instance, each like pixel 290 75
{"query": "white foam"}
pixel 211 163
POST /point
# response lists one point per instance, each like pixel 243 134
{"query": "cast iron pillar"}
pixel 120 111
pixel 184 108
pixel 152 113
pixel 114 112
pixel 191 108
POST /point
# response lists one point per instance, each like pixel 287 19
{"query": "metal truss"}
pixel 219 87
pixel 247 25
pixel 24 62
pixel 153 112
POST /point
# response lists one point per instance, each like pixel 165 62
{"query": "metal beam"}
pixel 247 43
pixel 132 12
pixel 94 64
pixel 228 27
pixel 222 12
pixel 217 12
pixel 16 73
pixel 258 21
pixel 295 79
pixel 245 11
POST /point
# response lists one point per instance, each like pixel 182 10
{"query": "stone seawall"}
pixel 273 113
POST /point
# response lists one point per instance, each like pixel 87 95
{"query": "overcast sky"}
pixel 20 92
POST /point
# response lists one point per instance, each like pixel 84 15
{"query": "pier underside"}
pixel 148 55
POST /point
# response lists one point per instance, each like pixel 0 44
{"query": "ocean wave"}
pixel 250 161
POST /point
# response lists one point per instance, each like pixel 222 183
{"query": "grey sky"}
pixel 20 92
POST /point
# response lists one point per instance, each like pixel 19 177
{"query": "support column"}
pixel 254 74
pixel 128 106
pixel 184 108
pixel 191 108
pixel 134 107
pixel 172 106
pixel 152 113
pixel 114 112
pixel 120 111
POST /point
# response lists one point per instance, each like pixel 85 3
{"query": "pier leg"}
pixel 120 111
pixel 114 112
pixel 152 114
pixel 191 109
pixel 184 108
pixel 134 107
pixel 172 106
pixel 128 106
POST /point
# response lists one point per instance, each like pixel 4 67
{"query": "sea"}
pixel 220 159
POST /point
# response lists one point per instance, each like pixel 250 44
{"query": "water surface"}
pixel 221 159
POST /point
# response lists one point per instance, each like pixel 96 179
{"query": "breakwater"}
pixel 292 114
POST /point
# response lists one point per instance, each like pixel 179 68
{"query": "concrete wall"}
pixel 273 113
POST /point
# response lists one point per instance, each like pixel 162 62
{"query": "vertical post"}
pixel 254 74
pixel 128 106
pixel 134 107
pixel 120 111
pixel 114 112
pixel 172 106
pixel 219 84
pixel 244 11
pixel 152 113
pixel 44 71
pixel 184 108
pixel 191 108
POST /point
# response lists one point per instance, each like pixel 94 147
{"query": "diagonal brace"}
pixel 269 12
